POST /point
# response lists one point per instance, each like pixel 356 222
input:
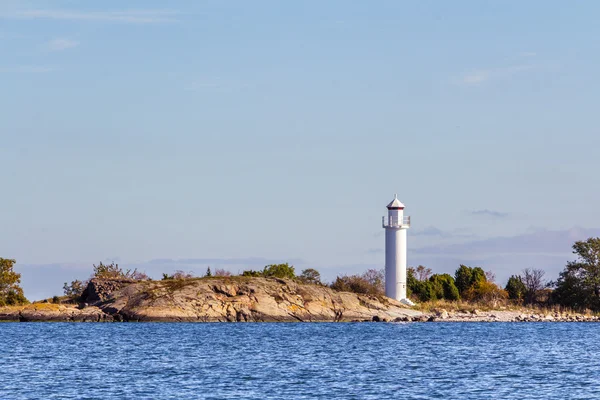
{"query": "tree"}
pixel 515 288
pixel 370 282
pixel 485 292
pixel 208 272
pixel 533 281
pixel 490 276
pixel 11 292
pixel 437 287
pixel 423 273
pixel 279 271
pixel 467 277
pixel 444 287
pixel 412 283
pixel 462 277
pixel 578 285
pixel 75 288
pixel 311 276
pixel 375 278
pixel 478 275
pixel 113 271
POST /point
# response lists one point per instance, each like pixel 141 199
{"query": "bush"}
pixel 279 271
pixel 75 289
pixel 467 277
pixel 310 276
pixel 113 271
pixel 424 290
pixel 486 292
pixel 252 273
pixel 371 282
pixel 437 287
pixel 515 288
pixel 444 287
pixel 222 272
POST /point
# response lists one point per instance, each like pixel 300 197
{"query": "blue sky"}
pixel 185 134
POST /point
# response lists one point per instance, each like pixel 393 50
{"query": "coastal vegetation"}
pixel 576 288
pixel 11 292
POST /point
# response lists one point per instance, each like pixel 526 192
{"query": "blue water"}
pixel 300 361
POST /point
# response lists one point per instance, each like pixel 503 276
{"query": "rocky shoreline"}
pixel 247 299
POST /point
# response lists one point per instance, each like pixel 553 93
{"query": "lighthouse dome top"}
pixel 395 204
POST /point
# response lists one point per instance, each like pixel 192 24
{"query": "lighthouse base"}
pixel 407 302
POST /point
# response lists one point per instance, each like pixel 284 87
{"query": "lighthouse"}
pixel 395 227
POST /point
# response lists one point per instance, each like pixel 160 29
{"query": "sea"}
pixel 299 361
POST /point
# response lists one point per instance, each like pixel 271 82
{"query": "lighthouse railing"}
pixel 396 222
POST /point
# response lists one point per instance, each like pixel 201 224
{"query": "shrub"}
pixel 179 274
pixel 515 288
pixel 279 271
pixel 311 276
pixel 75 288
pixel 467 277
pixel 444 287
pixel 486 292
pixel 222 272
pixel 371 282
pixel 252 273
pixel 113 271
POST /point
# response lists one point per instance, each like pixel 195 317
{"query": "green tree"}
pixel 462 277
pixel 310 275
pixel 279 271
pixel 208 272
pixel 444 287
pixel 578 285
pixel 251 272
pixel 467 277
pixel 11 292
pixel 75 288
pixel 411 282
pixel 515 288
pixel 425 291
pixel 478 276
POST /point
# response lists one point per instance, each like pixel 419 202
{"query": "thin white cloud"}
pixel 132 16
pixel 34 69
pixel 61 44
pixel 477 77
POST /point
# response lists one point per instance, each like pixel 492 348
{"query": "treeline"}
pixel 577 286
pixel 470 284
pixel 76 288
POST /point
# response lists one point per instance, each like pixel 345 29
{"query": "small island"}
pixel 277 294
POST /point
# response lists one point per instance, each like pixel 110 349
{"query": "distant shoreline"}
pixel 249 299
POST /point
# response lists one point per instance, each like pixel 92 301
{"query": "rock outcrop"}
pixel 216 299
pixel 245 299
pixel 249 299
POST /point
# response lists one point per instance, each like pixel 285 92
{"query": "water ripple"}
pixel 299 361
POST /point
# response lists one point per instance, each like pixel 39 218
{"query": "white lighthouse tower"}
pixel 395 251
